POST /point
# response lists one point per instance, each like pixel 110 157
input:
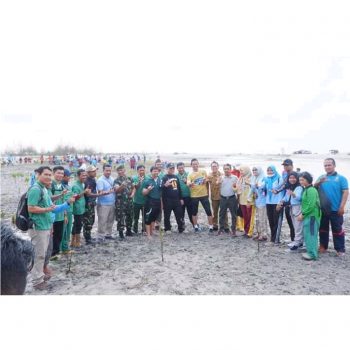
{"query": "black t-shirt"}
pixel 91 183
pixel 174 190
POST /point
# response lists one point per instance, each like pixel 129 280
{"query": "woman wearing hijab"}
pixel 258 194
pixel 310 216
pixel 273 182
pixel 292 199
pixel 247 207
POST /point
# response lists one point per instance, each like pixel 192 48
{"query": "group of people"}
pixel 61 210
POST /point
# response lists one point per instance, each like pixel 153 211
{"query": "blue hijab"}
pixel 270 180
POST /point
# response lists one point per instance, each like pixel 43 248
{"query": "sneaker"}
pixel 215 228
pixel 340 254
pixel 211 230
pixel 306 256
pixel 129 233
pixel 294 248
pixel 227 230
pixel 290 244
pixel 196 229
pixel 89 242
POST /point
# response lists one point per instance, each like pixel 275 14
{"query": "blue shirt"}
pixel 105 184
pixel 260 194
pixel 333 188
pixel 272 198
pixel 294 200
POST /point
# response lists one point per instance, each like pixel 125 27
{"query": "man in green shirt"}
pixel 39 208
pixel 139 198
pixel 57 196
pixel 79 190
pixel 68 215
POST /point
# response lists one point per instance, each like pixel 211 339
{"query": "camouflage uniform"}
pixel 124 204
pixel 89 215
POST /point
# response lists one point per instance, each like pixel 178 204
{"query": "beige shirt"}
pixel 214 187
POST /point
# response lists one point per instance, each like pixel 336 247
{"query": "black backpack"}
pixel 23 221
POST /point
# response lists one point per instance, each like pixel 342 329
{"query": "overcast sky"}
pixel 174 76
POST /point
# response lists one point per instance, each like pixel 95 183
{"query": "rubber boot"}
pixel 77 241
pixel 73 241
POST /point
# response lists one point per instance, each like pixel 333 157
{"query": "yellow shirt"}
pixel 199 189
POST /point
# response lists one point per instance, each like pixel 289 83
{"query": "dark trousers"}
pixel 273 216
pixel 175 206
pixel 289 220
pixel 187 206
pixel 231 204
pixel 78 224
pixel 338 232
pixel 57 237
pixel 137 209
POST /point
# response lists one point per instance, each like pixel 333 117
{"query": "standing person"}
pixel 334 192
pixel 310 216
pixel 197 182
pixel 139 198
pixel 125 192
pixel 185 191
pixel 158 164
pixel 68 215
pixel 172 198
pixel 288 169
pixel 57 196
pixel 152 190
pixel 248 210
pixel 40 208
pixel 79 190
pixel 228 200
pixel 106 203
pixel 292 199
pixel 258 194
pixel 215 185
pixel 90 203
pixel 273 198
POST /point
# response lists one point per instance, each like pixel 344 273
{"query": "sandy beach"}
pixel 194 264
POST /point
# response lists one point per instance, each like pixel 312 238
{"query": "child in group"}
pixel 310 216
pixel 292 198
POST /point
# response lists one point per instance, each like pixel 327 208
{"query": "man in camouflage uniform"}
pixel 90 204
pixel 125 191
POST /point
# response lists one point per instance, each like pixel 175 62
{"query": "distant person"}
pixel 334 192
pixel 152 190
pixel 228 199
pixel 105 204
pixel 139 199
pixel 292 199
pixel 197 182
pixel 172 199
pixel 125 191
pixel 17 259
pixel 258 192
pixel 40 208
pixel 310 216
pixel 186 194
pixel 273 182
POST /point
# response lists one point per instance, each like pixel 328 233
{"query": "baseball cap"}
pixel 170 165
pixel 67 172
pixel 287 162
pixel 90 168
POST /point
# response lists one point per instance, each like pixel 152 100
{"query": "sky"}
pixel 184 76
